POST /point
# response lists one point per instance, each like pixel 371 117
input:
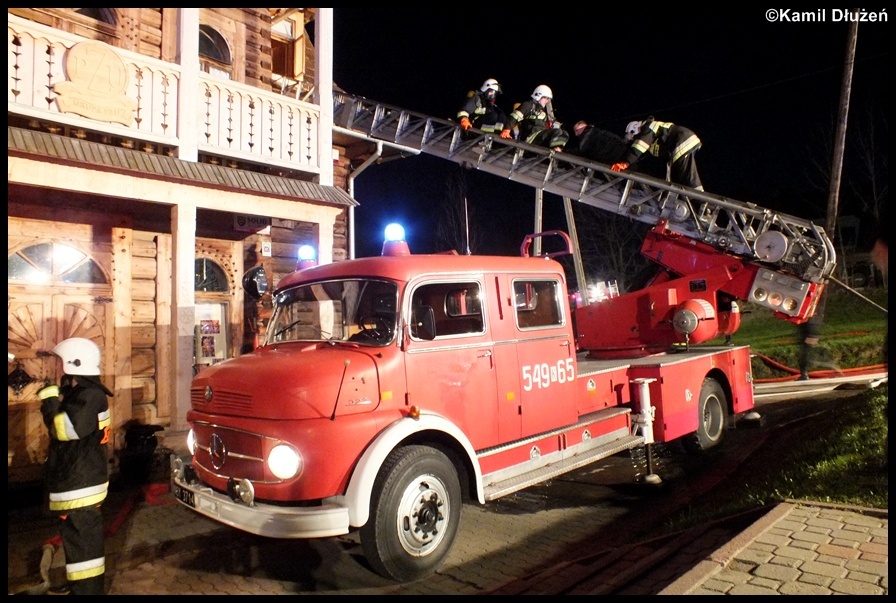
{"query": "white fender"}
pixel 360 485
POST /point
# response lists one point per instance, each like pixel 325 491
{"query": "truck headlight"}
pixel 284 461
pixel 191 442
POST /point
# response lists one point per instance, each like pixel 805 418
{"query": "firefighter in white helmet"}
pixel 77 416
pixel 536 120
pixel 481 108
pixel 671 142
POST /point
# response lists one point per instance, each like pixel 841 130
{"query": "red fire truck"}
pixel 390 390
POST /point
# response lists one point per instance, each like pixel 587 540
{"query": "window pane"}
pixel 538 304
pixel 210 277
pixel 54 262
pixel 18 269
pixel 86 272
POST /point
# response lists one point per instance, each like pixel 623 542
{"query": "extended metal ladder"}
pixel 787 243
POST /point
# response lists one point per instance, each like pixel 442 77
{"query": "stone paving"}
pixel 799 548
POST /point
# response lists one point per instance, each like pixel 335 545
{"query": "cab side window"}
pixel 537 303
pixel 456 307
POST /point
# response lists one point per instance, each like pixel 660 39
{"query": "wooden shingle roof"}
pixel 24 142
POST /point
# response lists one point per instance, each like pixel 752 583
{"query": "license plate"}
pixel 184 496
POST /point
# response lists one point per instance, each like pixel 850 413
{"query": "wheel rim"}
pixel 423 515
pixel 712 418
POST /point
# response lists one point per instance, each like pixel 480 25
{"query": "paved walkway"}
pixel 799 548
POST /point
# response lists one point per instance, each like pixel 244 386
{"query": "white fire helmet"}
pixel 632 129
pixel 491 84
pixel 79 356
pixel 542 91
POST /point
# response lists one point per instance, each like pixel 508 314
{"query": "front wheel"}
pixel 415 511
pixel 712 413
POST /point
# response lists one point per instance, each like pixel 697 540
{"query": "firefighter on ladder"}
pixel 481 109
pixel 77 415
pixel 536 121
pixel 671 142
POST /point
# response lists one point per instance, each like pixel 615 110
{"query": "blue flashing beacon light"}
pixel 307 257
pixel 394 243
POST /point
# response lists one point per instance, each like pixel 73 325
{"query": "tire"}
pixel 712 418
pixel 415 510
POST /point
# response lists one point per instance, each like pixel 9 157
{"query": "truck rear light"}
pixel 284 461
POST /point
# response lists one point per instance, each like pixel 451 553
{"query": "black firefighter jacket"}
pixel 79 422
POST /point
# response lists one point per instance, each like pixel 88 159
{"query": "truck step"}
pixel 550 470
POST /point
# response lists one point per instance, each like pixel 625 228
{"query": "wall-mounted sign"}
pixel 256 224
pixel 97 84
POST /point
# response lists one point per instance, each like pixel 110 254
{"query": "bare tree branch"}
pixel 457 228
pixel 611 246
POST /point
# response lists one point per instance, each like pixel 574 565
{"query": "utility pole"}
pixel 840 135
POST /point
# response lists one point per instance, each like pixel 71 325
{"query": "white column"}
pixel 188 87
pixel 183 309
pixel 323 90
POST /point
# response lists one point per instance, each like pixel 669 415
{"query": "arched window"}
pixel 214 53
pixel 51 263
pixel 210 277
pixel 100 14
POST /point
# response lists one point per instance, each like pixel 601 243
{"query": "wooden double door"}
pixel 37 319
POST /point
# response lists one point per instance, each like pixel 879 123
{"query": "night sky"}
pixel 762 96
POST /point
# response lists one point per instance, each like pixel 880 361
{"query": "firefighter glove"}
pixel 620 166
pixel 506 134
pixel 51 391
pixel 465 123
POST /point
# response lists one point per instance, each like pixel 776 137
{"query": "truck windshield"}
pixel 356 310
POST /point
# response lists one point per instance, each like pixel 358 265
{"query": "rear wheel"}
pixel 712 416
pixel 415 510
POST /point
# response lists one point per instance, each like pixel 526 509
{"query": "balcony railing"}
pixel 119 93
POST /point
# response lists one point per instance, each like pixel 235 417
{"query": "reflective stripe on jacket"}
pixel 663 139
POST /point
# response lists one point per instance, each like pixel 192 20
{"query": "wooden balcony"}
pixel 117 96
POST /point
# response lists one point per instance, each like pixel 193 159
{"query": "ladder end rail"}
pixel 810 247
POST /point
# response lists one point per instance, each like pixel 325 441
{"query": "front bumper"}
pixel 329 519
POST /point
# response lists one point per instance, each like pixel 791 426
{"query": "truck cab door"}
pixel 546 354
pixel 449 360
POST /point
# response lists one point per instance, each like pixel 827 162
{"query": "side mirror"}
pixel 423 323
pixel 255 282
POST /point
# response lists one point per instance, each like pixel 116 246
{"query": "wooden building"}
pixel 155 157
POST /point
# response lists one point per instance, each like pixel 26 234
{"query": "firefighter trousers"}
pixel 552 138
pixel 684 171
pixel 84 545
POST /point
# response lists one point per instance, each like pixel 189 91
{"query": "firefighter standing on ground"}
pixel 536 121
pixel 77 415
pixel 481 109
pixel 673 143
pixel 809 334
